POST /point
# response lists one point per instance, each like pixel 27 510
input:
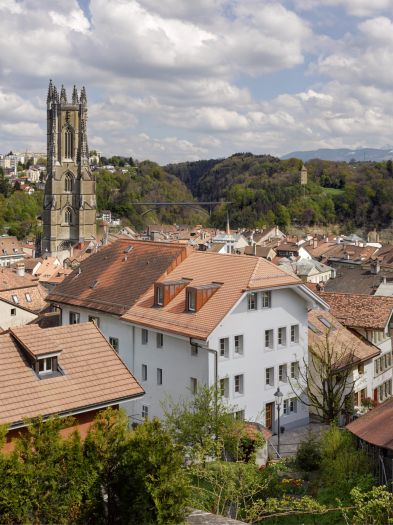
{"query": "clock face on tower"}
pixel 70 183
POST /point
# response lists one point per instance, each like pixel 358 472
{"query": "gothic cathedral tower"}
pixel 69 214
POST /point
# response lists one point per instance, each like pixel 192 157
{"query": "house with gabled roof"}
pixel 67 371
pixel 182 318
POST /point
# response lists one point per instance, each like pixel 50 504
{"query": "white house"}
pixel 181 318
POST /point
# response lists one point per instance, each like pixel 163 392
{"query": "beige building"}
pixel 69 214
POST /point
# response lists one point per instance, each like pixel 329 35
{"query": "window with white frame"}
pixel 252 301
pixel 159 296
pixel 269 341
pixel 159 376
pixel 239 384
pixel 293 405
pixel 114 342
pixel 239 415
pixel 295 370
pixel 239 344
pixel 74 317
pixel 95 320
pixel 191 300
pixel 224 347
pixel 45 365
pixel 144 336
pixel 28 297
pixel 285 407
pixel 193 385
pixel 269 376
pixel 282 373
pixel 295 333
pixel 224 387
pixel 282 336
pixel 160 340
pixel 145 411
pixel 15 299
pixel 266 299
pixel 144 372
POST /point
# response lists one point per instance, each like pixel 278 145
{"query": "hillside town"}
pixel 292 331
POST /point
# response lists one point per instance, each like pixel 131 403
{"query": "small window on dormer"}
pixel 15 299
pixel 45 366
pixel 28 297
pixel 159 296
pixel 191 300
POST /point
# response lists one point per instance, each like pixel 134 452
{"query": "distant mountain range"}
pixel 343 154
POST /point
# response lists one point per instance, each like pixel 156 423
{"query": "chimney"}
pixel 314 242
pixel 20 269
pixel 254 249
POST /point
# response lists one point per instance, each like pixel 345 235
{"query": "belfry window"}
pixel 68 143
pixel 68 216
pixel 68 182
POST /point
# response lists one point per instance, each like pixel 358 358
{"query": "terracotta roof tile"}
pixel 112 280
pixel 93 373
pixel 344 343
pixel 237 273
pixel 376 427
pixel 360 311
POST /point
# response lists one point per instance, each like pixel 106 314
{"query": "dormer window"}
pixel 45 365
pixel 165 291
pixel 191 300
pixel 159 296
pixel 15 299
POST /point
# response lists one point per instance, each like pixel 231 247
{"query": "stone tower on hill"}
pixel 69 214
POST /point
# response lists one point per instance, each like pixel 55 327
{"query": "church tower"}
pixel 69 214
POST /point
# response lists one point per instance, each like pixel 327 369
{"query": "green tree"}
pixel 5 186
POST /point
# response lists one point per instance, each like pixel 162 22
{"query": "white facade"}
pixel 170 365
pixel 12 315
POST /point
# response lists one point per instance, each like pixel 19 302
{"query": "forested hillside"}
pixel 265 189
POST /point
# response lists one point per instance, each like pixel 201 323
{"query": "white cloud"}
pixel 360 8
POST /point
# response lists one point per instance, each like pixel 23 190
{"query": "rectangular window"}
pixel 295 370
pixel 114 342
pixel 159 376
pixel 376 366
pixel 239 344
pixel 285 407
pixel 293 405
pixel 239 384
pixel 95 320
pixel 191 301
pixel 144 336
pixel 144 372
pixel 15 299
pixel 269 339
pixel 28 297
pixel 295 333
pixel 282 373
pixel 266 299
pixel 160 340
pixel 193 385
pixel 224 387
pixel 159 296
pixel 145 411
pixel 239 415
pixel 363 395
pixel 224 347
pixel 282 336
pixel 361 369
pixel 13 311
pixel 252 301
pixel 269 376
pixel 74 318
pixel 194 349
pixel 45 365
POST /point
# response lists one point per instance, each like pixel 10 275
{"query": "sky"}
pixel 178 80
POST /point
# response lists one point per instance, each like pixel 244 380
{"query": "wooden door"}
pixel 269 415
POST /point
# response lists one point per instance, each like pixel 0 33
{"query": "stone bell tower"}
pixel 69 214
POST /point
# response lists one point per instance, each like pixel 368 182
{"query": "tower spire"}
pixel 50 92
pixel 63 95
pixel 75 99
pixel 83 98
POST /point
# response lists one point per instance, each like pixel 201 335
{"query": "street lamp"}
pixel 278 395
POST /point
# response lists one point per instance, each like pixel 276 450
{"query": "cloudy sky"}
pixel 174 80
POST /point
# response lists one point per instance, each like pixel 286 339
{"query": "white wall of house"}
pixel 179 364
pixel 12 316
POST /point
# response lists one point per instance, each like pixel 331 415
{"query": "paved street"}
pixel 290 439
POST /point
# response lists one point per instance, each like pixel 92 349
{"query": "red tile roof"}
pixel 376 426
pixel 360 311
pixel 115 277
pixel 235 273
pixel 93 373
